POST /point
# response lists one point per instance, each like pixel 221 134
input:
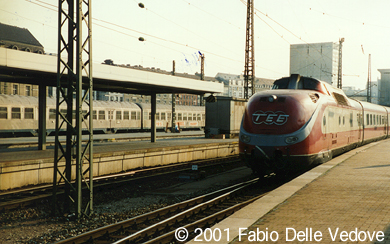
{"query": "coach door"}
pixel 360 125
pixel 111 117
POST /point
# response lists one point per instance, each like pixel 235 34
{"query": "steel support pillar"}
pixel 173 102
pixel 42 117
pixel 153 119
pixel 74 60
pixel 173 112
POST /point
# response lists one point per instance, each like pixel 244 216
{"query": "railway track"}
pixel 28 196
pixel 159 226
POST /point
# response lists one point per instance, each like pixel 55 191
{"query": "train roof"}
pixel 18 100
pixel 169 107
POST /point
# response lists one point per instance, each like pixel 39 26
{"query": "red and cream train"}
pixel 303 121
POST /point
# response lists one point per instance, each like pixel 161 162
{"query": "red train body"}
pixel 304 121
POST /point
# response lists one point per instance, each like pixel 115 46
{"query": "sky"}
pixel 180 29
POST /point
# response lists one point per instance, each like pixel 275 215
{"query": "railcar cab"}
pixel 297 82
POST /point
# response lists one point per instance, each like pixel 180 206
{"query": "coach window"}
pixel 203 117
pixel 150 115
pixel 15 113
pixel 126 115
pixel 118 115
pixel 29 113
pixel 162 115
pixel 324 121
pixel 370 119
pixel 343 120
pixel 52 113
pixel 102 115
pixel 339 120
pixel 133 115
pixel 94 115
pixel 3 113
pixel 169 116
pixel 179 116
pixel 199 117
pixel 184 116
pixel 157 116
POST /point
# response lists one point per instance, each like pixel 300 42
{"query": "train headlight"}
pixel 272 98
pixel 245 138
pixel 291 139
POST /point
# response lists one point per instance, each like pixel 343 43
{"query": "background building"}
pixel 316 60
pixel 361 94
pixel 234 85
pixel 19 39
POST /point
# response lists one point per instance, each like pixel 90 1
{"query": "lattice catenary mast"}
pixel 249 72
pixel 73 61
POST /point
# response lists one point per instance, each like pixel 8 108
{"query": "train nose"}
pixel 273 114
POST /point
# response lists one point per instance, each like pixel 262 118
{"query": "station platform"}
pixel 28 166
pixel 344 200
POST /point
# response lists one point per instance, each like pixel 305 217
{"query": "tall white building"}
pixel 316 60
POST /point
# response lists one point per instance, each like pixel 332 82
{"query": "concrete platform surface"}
pixel 344 200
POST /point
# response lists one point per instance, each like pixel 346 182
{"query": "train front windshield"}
pixel 304 83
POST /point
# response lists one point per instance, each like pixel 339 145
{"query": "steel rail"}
pixel 127 176
pixel 184 207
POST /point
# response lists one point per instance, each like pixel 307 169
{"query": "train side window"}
pixel 29 113
pixel 133 115
pixel 15 113
pixel 157 116
pixel 351 119
pixel 52 113
pixel 150 115
pixel 3 113
pixel 324 121
pixel 102 115
pixel 162 115
pixel 169 116
pixel 94 115
pixel 203 117
pixel 189 116
pixel 339 120
pixel 370 119
pixel 118 115
pixel 179 116
pixel 184 116
pixel 199 117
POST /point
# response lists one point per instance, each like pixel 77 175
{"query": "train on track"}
pixel 19 116
pixel 303 121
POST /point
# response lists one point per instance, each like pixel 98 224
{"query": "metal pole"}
pixel 42 118
pixel 153 119
pixel 340 67
pixel 369 79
